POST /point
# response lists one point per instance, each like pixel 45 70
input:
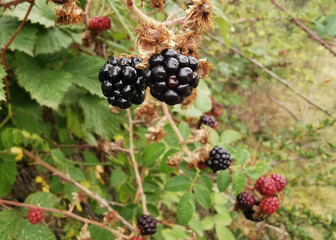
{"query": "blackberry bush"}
pixel 171 76
pixel 122 83
pixel 220 159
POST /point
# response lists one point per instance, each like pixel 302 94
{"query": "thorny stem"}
pixel 68 214
pixel 135 165
pixel 3 59
pixel 67 178
pixel 173 125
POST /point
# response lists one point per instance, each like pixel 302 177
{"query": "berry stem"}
pixel 86 13
pixel 135 165
pixel 173 125
pixel 67 178
pixel 68 214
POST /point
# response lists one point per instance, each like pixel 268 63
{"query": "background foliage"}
pixel 57 101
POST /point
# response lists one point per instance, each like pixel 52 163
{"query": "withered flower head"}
pixel 175 160
pixel 189 100
pixel 157 3
pixel 199 16
pixel 156 134
pixel 150 37
pixel 187 43
pixel 204 68
pixel 200 156
pixel 69 15
pixel 147 111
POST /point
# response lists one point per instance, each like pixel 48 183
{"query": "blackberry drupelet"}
pixel 171 76
pixel 220 159
pixel 122 83
pixel 208 120
pixel 147 225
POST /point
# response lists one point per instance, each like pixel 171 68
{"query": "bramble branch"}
pixel 313 35
pixel 68 214
pixel 14 3
pixel 135 165
pixel 67 178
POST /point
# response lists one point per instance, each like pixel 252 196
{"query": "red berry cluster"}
pixel 35 215
pixel 258 210
pixel 98 24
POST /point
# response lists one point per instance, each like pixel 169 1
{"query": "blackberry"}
pixel 266 186
pixel 171 76
pixel 35 215
pixel 147 225
pixel 208 120
pixel 251 215
pixel 122 83
pixel 269 204
pixel 245 200
pixel 220 159
pixel 280 181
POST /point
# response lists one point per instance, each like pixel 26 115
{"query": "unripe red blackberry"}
pixel 208 120
pixel 35 215
pixel 147 225
pixel 269 204
pixel 122 83
pixel 280 181
pixel 220 159
pixel 245 200
pixel 171 76
pixel 98 24
pixel 266 186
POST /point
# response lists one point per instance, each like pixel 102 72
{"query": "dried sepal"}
pixel 204 68
pixel 189 100
pixel 111 217
pixel 199 16
pixel 152 37
pixel 199 156
pixel 156 134
pixel 157 3
pixel 175 160
pixel 147 111
pixel 68 15
pixel 187 43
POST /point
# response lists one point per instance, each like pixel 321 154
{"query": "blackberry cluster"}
pixel 122 83
pixel 147 225
pixel 100 23
pixel 208 120
pixel 171 76
pixel 35 215
pixel 220 159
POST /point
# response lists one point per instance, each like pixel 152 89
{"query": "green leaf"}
pixel 241 156
pixel 223 180
pixel 76 174
pixel 98 117
pixel 255 172
pixel 223 233
pixel 52 40
pixel 214 137
pixel 177 184
pixel 331 25
pixel 41 13
pixel 84 71
pixel 206 181
pixel 184 129
pixel 224 29
pixel 46 86
pixel 2 85
pixel 223 218
pixel 229 136
pixel 24 41
pixel 185 209
pixel 202 195
pixel 117 177
pixel 36 232
pixel 10 224
pixel 152 153
pixel 239 179
pixel 11 137
pixel 7 177
pixel 43 199
pixel 208 223
pixel 98 233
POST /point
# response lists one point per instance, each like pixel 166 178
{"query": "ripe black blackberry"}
pixel 147 225
pixel 208 120
pixel 121 82
pixel 220 159
pixel 245 200
pixel 251 215
pixel 171 76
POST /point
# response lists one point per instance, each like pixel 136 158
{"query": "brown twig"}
pixel 284 107
pixel 13 3
pixel 68 214
pixel 135 165
pixel 3 58
pixel 283 81
pixel 173 22
pixel 67 178
pixel 313 35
